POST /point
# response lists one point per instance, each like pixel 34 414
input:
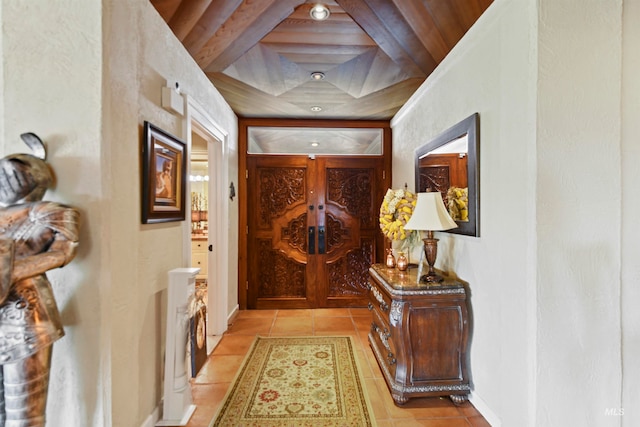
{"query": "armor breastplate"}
pixel 29 320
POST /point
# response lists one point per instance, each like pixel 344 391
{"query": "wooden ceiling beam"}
pixel 391 16
pixel 211 20
pixel 186 17
pixel 344 31
pixel 324 49
pixel 449 24
pixel 312 39
pixel 166 8
pixel 468 11
pixel 423 27
pixel 362 13
pixel 244 29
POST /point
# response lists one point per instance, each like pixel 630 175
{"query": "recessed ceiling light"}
pixel 319 12
pixel 314 144
pixel 316 108
pixel 317 75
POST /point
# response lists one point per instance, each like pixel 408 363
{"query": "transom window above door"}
pixel 311 141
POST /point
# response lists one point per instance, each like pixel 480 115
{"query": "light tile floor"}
pixel 211 384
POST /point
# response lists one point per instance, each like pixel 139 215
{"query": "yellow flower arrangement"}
pixel 458 203
pixel 395 212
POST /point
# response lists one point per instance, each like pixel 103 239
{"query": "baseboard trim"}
pixel 234 313
pixel 153 418
pixel 483 408
pixel 186 416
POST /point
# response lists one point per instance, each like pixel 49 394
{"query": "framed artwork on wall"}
pixel 164 168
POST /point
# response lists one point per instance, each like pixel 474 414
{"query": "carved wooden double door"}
pixel 312 230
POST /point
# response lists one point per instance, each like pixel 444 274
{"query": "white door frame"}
pixel 199 121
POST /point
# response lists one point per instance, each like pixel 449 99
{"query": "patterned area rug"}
pixel 305 381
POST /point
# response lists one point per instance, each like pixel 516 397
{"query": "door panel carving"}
pixel 435 178
pixel 280 276
pixel 277 260
pixel 280 189
pixel 295 203
pixel 290 233
pixel 352 226
pixel 348 276
pixel 351 188
pixel 343 234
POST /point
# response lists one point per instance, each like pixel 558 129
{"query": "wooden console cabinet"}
pixel 419 334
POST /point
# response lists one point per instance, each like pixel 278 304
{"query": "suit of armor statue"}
pixel 35 236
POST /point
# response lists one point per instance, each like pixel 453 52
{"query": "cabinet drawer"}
pixel 379 299
pixel 385 346
pixel 198 246
pixel 200 260
pixel 381 333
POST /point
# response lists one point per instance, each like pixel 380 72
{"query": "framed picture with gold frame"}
pixel 164 168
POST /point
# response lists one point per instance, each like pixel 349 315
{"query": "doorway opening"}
pixel 199 202
pixel 206 237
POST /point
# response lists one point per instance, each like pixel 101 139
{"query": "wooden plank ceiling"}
pixel 374 54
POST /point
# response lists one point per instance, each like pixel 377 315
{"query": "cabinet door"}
pixel 436 337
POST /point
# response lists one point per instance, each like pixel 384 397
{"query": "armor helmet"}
pixel 25 177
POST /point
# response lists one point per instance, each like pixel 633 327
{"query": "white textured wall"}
pixel 491 71
pixel 2 144
pixel 52 79
pixel 84 75
pixel 142 55
pixel 630 292
pixel 554 274
pixel 579 212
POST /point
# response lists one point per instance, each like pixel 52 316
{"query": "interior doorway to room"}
pixel 199 181
pixel 208 217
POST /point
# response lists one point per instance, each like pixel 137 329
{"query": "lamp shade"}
pixel 430 214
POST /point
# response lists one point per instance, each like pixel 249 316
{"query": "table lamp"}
pixel 430 215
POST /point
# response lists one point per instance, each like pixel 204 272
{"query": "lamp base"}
pixel 431 251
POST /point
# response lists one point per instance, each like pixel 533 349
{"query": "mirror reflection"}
pixel 449 164
pixel 444 169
